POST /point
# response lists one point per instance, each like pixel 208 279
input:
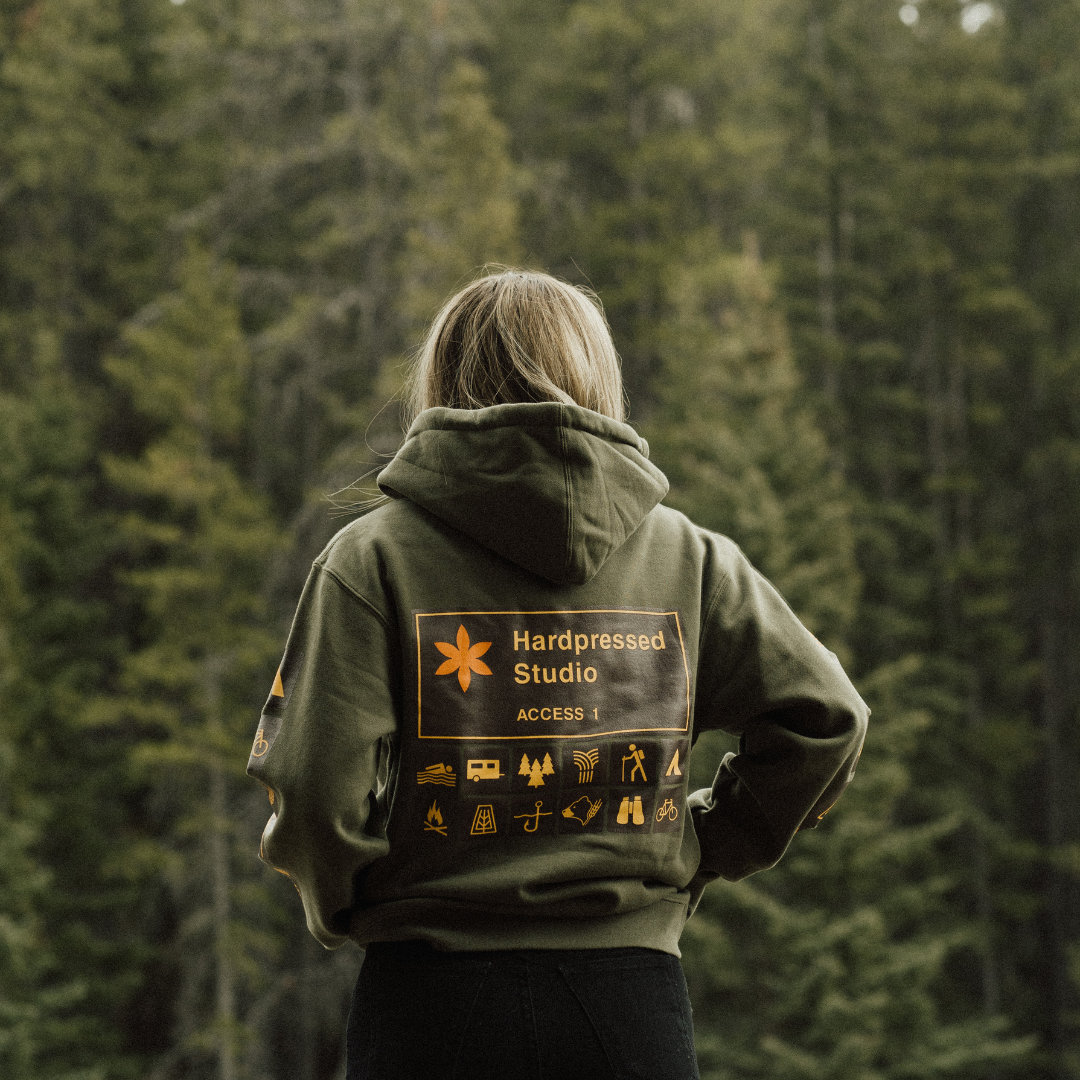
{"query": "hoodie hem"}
pixel 461 928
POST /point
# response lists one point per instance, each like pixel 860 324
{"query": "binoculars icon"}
pixel 628 808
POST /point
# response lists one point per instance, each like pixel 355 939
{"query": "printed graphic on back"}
pixel 550 675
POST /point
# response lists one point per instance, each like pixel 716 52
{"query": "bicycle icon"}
pixel 261 745
pixel 667 810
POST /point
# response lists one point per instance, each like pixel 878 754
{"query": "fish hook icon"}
pixel 534 817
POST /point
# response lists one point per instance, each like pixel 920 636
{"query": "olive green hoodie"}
pixel 479 732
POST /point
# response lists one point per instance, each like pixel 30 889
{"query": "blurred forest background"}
pixel 838 242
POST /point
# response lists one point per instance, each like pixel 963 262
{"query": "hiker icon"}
pixel 638 758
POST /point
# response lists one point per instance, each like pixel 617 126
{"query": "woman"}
pixel 477 742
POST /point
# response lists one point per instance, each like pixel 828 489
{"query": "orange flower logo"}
pixel 464 658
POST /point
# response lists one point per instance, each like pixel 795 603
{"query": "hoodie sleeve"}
pixel 762 676
pixel 319 756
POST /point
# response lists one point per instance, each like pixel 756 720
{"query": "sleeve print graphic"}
pixel 265 735
pixel 284 681
pixel 273 711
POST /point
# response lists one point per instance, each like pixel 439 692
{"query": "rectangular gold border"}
pixel 554 611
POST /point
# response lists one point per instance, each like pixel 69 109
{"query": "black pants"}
pixel 574 1014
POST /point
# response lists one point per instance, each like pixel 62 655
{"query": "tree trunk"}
pixel 220 887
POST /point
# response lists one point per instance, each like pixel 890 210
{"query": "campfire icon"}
pixel 434 820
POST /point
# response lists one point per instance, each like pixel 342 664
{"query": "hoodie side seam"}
pixel 721 588
pixel 564 451
pixel 706 618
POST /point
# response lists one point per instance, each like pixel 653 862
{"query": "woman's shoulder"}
pixel 379 518
pixel 356 553
pixel 670 524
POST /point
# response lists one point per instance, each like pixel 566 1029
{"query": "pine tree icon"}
pixel 523 768
pixel 536 778
pixel 548 769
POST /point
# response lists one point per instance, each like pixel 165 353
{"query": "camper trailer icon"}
pixel 483 769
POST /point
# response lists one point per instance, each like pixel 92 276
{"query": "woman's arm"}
pixel 763 677
pixel 319 755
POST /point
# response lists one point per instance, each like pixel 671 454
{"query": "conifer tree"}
pixel 200 541
pixel 911 186
pixel 1040 41
pixel 635 122
pixel 894 242
pixel 22 879
pixel 829 964
pixel 81 204
pixel 80 220
pixel 69 787
pixel 70 919
pixel 367 179
pixel 743 453
pixel 464 209
pixel 817 968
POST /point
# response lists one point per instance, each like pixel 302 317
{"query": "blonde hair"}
pixel 513 336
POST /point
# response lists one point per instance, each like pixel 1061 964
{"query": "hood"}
pixel 554 488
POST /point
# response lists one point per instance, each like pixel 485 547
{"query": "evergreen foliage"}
pixel 825 966
pixel 743 452
pixel 201 543
pixel 222 227
pixel 22 879
pixel 62 626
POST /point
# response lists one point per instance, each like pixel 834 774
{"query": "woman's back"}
pixel 518 639
pixel 477 742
